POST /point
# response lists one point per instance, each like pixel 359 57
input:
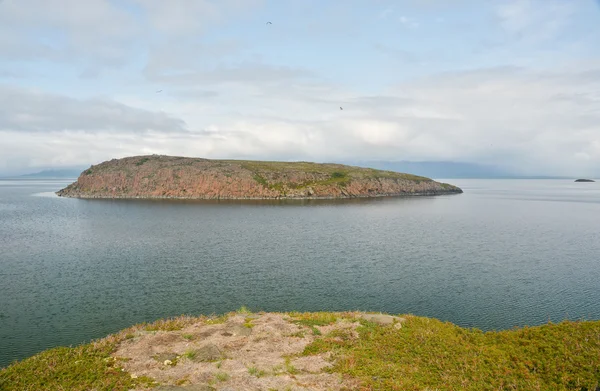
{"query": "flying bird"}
pixel 269 23
pixel 159 91
pixel 341 108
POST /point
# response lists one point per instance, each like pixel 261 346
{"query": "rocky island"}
pixel 584 180
pixel 159 176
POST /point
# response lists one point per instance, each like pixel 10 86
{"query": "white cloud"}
pixel 32 111
pixel 409 23
pixel 535 122
pixel 221 98
pixel 533 21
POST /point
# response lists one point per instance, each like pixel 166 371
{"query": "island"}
pixel 159 176
pixel 584 180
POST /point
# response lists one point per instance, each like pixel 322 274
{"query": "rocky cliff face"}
pixel 158 176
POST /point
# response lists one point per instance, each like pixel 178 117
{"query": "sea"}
pixel 504 254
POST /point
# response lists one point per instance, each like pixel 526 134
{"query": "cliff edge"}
pixel 159 176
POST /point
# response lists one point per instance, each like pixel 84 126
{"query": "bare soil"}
pixel 244 352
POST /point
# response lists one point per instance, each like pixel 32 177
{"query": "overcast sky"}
pixel 513 83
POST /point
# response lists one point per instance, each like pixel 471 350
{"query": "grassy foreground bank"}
pixel 393 353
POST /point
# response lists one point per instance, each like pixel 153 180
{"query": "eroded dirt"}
pixel 244 352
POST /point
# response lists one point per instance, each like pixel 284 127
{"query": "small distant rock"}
pixel 584 180
pixel 209 352
pixel 382 319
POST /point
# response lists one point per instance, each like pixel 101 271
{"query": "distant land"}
pixel 438 169
pixel 58 173
pixel 449 169
pixel 584 180
pixel 159 176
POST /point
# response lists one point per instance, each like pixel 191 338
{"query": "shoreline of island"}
pixel 172 177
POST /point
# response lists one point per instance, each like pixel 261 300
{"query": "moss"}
pixel 260 180
pixel 85 367
pixel 141 161
pixel 314 318
pixel 429 354
pixel 423 354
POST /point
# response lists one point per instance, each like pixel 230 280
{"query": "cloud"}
pixel 534 21
pixel 23 110
pixel 533 122
pixel 176 18
pixel 250 73
pixel 60 30
pixel 233 93
pixel 409 23
pixel 97 34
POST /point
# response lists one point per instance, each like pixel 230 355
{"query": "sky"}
pixel 510 83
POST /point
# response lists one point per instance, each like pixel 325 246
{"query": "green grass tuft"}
pixel 427 354
pixel 222 376
pixel 314 318
pixel 190 354
pixel 142 161
pixel 171 324
pixel 244 310
pixel 80 368
pixel 256 372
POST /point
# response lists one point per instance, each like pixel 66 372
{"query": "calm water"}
pixel 505 253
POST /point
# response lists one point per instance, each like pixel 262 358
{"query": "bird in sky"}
pixel 341 108
pixel 269 23
pixel 159 91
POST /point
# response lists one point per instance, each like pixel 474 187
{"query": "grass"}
pixel 260 180
pixel 217 319
pixel 256 372
pixel 222 376
pixel 142 161
pixel 171 324
pixel 289 368
pixel 314 318
pixel 244 310
pixel 427 354
pixel 84 367
pixel 190 354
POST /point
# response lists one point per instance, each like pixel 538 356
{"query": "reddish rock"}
pixel 158 176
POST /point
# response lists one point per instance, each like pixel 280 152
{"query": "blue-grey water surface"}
pixel 505 253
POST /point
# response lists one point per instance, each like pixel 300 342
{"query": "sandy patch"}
pixel 256 352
